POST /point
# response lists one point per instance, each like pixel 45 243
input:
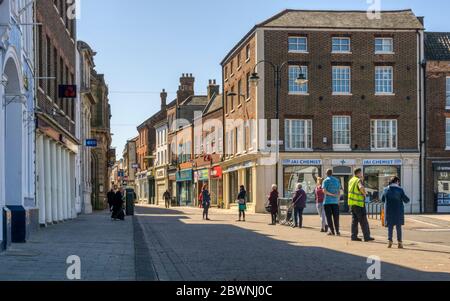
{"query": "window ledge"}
pixel 247 60
pixel 232 111
pixel 232 75
pixel 297 51
pixel 342 148
pixel 248 99
pixel 341 52
pixel 299 150
pixel 239 106
pixel 239 68
pixel 384 52
pixel 341 94
pixel 447 108
pixel 384 94
pixel 298 93
pixel 384 149
pixel 447 148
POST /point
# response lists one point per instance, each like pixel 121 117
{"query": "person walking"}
pixel 273 204
pixel 394 198
pixel 320 197
pixel 117 209
pixel 110 197
pixel 167 198
pixel 206 201
pixel 299 204
pixel 331 188
pixel 357 202
pixel 242 201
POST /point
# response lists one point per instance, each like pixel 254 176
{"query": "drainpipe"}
pixel 422 118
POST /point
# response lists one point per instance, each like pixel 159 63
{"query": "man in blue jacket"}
pixel 332 190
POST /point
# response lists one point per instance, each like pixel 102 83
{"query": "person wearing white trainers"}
pixel 394 198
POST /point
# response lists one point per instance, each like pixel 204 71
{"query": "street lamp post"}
pixel 277 69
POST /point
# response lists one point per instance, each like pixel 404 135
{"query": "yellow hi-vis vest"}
pixel 355 197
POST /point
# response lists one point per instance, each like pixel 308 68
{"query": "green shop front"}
pixel 185 187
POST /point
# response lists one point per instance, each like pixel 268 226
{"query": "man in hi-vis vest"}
pixel 357 202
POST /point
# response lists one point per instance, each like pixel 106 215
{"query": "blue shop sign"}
pixel 302 162
pixel 382 162
pixel 91 142
pixel 184 175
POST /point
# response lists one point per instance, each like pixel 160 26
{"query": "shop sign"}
pixel 216 172
pixel 344 162
pixel 442 167
pixel 202 175
pixel 302 162
pixel 161 173
pixel 184 175
pixel 383 162
pixel 241 166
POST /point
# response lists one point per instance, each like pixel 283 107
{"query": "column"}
pixel 71 184
pixel 64 199
pixel 41 179
pixel 48 182
pixel 54 200
pixel 70 204
pixel 59 183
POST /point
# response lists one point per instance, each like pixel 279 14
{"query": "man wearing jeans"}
pixel 357 203
pixel 332 188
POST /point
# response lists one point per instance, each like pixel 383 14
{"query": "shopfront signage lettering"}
pixel 301 162
pixel 385 162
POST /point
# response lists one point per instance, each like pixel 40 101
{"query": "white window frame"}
pixel 383 69
pixel 297 43
pixel 294 88
pixel 383 40
pixel 333 39
pixel 340 81
pixel 447 134
pixel 374 135
pixel 447 93
pixel 342 146
pixel 307 135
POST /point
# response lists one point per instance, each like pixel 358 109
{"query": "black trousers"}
pixel 332 213
pixel 205 211
pixel 359 217
pixel 167 204
pixel 274 218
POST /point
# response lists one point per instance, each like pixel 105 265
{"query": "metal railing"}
pixel 375 210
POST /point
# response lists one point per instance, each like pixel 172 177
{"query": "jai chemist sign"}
pixel 304 162
pixel 383 162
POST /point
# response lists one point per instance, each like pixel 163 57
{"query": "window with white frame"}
pixel 298 134
pixel 447 102
pixel 240 139
pixel 447 133
pixel 341 45
pixel 341 80
pixel 298 44
pixel 384 45
pixel 341 132
pixel 252 136
pixel 294 72
pixel 384 134
pixel 384 80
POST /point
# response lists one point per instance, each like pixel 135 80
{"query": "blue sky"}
pixel 145 45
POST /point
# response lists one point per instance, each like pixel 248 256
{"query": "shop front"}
pixel 172 186
pixel 301 171
pixel 185 191
pixel 161 185
pixel 377 174
pixel 216 186
pixel 142 187
pixel 236 176
pixel 441 178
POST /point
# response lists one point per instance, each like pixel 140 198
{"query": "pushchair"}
pixel 289 220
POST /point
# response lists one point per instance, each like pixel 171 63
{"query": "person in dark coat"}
pixel 117 210
pixel 299 204
pixel 110 196
pixel 273 203
pixel 242 201
pixel 206 201
pixel 394 198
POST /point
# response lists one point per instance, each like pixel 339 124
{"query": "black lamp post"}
pixel 277 69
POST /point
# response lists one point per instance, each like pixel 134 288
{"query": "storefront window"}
pixel 305 175
pixel 377 179
pixel 234 188
pixel 443 189
pixel 249 184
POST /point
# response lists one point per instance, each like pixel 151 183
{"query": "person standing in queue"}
pixel 242 201
pixel 206 201
pixel 320 197
pixel 110 196
pixel 167 198
pixel 117 210
pixel 299 204
pixel 394 198
pixel 332 188
pixel 357 202
pixel 273 204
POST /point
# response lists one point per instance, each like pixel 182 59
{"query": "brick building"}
pixel 56 116
pixel 437 119
pixel 357 104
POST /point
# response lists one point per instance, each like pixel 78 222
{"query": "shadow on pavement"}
pixel 202 252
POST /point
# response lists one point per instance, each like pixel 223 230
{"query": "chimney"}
pixel 213 89
pixel 163 99
pixel 421 20
pixel 186 87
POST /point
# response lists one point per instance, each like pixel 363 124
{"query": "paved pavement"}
pixel 106 250
pixel 184 247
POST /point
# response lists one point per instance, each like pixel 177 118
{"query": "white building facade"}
pixel 161 161
pixel 18 214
